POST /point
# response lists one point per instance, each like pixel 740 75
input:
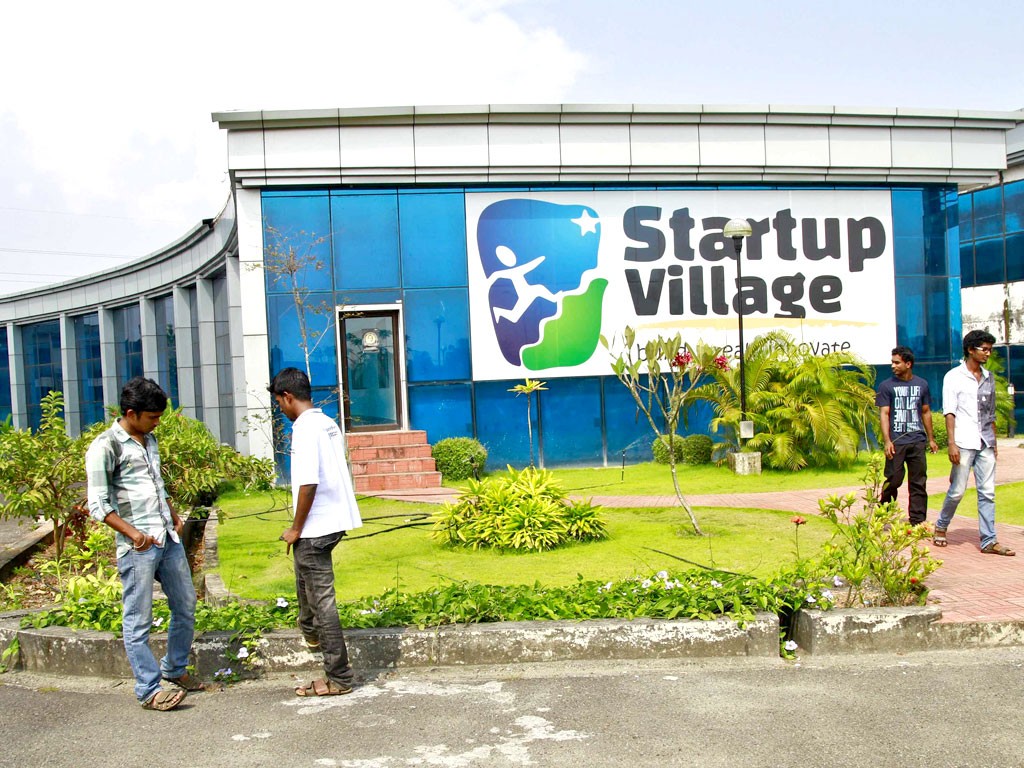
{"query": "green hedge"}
pixel 459 457
pixel 692 449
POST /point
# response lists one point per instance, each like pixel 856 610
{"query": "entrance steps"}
pixel 390 461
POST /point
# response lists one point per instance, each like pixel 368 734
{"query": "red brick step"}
pixel 387 461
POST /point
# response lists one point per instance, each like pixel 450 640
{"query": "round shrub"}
pixel 697 449
pixel 660 449
pixel 459 457
pixel 939 430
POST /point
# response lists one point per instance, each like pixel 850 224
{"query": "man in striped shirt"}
pixel 126 491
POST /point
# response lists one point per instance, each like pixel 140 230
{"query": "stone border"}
pixel 12 555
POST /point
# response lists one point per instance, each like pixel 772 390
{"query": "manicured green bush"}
pixel 939 429
pixel 660 449
pixel 519 511
pixel 458 458
pixel 697 449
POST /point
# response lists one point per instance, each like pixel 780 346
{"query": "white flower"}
pixel 367 611
pixel 645 583
pixel 243 653
pixel 827 594
pixel 663 575
pixel 811 600
pixel 668 585
pixel 836 581
pixel 791 645
pixel 158 621
pixel 716 584
pixel 282 603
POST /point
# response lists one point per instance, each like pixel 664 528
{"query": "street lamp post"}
pixel 737 229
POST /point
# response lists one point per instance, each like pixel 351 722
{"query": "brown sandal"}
pixel 323 688
pixel 164 701
pixel 995 548
pixel 188 681
pixel 939 537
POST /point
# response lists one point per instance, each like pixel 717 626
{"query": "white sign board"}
pixel 550 272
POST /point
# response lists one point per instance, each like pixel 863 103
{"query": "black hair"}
pixel 976 339
pixel 294 382
pixel 906 354
pixel 142 395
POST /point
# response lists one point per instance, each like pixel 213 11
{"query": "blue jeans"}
pixel 984 464
pixel 318 607
pixel 169 566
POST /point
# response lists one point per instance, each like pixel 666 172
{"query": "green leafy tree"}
pixel 662 377
pixel 807 409
pixel 43 472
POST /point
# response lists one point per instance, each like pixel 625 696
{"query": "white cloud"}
pixel 112 101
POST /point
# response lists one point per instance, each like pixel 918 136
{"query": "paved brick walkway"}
pixel 969 586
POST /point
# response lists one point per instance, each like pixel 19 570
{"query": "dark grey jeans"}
pixel 318 607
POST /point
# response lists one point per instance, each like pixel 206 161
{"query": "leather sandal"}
pixel 323 688
pixel 188 681
pixel 995 548
pixel 939 537
pixel 164 701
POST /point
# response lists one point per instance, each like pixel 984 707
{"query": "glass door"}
pixel 369 370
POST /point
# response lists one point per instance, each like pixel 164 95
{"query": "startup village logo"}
pixel 535 256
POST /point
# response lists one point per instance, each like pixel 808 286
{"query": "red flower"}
pixel 798 520
pixel 682 359
pixel 722 363
pixel 913 579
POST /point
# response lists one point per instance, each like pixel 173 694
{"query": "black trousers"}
pixel 912 457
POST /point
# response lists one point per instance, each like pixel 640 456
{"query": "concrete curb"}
pixel 12 555
pixel 62 651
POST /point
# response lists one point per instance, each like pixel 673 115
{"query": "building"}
pixel 442 255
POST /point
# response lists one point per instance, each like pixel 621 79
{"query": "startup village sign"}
pixel 550 272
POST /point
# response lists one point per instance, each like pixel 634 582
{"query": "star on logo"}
pixel 586 223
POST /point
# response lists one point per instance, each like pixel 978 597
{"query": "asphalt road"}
pixel 940 710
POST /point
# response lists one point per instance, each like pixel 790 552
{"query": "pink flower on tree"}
pixel 722 363
pixel 682 359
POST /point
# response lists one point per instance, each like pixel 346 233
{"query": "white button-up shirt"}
pixel 973 403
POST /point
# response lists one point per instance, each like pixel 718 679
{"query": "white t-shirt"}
pixel 318 458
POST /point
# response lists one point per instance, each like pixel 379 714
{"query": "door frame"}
pixel 401 388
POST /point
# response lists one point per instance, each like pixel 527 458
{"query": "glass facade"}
pixel 128 343
pixel 385 246
pixel 992 254
pixel 222 335
pixel 90 369
pixel 5 376
pixel 166 350
pixel 41 346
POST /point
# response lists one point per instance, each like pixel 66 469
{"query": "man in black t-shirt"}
pixel 906 413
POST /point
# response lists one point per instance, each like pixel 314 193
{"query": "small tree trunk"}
pixel 682 499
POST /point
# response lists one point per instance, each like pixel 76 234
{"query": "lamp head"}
pixel 737 228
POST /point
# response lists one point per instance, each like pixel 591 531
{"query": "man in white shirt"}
pixel 325 508
pixel 969 405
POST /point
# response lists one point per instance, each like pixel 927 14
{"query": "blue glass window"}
pixel 989 264
pixel 501 424
pixel 128 347
pixel 966 205
pixel 922 316
pixel 967 264
pixel 286 339
pixel 571 415
pixel 5 376
pixel 433 228
pixel 365 240
pixel 988 212
pixel 90 369
pixel 43 374
pixel 626 427
pixel 1013 201
pixel 166 348
pixel 1015 258
pixel 908 231
pixel 443 410
pixel 437 334
pixel 297 233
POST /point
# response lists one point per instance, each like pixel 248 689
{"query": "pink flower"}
pixel 797 520
pixel 722 363
pixel 682 359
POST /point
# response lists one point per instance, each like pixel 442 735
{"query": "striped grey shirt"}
pixel 124 478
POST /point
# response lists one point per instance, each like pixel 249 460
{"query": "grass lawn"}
pixel 253 563
pixel 1009 504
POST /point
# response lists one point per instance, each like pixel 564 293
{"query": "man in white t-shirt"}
pixel 325 508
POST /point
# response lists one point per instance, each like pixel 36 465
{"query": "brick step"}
pixel 392 466
pixel 389 453
pixel 402 481
pixel 381 439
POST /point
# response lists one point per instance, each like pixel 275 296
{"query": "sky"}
pixel 108 151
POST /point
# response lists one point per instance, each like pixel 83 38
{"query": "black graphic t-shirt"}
pixel 905 399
